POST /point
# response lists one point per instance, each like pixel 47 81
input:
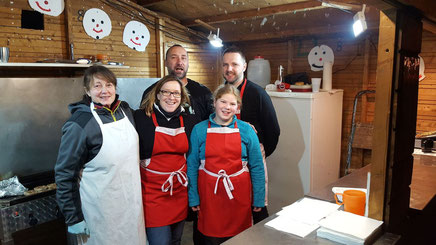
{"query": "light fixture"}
pixel 359 25
pixel 215 40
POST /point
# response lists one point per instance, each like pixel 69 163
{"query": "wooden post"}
pixel 290 56
pixel 69 30
pixel 160 47
pixel 380 140
pixel 395 117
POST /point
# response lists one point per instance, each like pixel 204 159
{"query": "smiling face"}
pixel 102 92
pixel 177 62
pixel 49 7
pixel 171 100
pixel 233 68
pixel 136 36
pixel 318 55
pixel 97 23
pixel 225 108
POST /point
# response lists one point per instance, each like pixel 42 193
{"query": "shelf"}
pixel 60 65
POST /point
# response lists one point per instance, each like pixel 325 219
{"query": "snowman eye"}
pixel 93 20
pixel 323 52
pixel 102 22
pixel 133 32
pixel 316 53
pixel 142 36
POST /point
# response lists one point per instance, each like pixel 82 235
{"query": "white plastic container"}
pixel 259 71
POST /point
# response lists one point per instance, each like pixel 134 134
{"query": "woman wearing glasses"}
pixel 164 128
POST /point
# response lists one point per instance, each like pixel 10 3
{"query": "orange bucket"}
pixel 353 200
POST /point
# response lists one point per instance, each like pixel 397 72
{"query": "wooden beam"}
pixel 383 100
pixel 205 25
pixel 279 9
pixel 146 3
pixel 315 31
pixel 429 26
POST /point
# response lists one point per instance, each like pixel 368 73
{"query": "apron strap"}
pixel 238 113
pixel 228 185
pixel 169 183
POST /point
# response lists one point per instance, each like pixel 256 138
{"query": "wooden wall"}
pixel 348 70
pixel 426 119
pixel 27 45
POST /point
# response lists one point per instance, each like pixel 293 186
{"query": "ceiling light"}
pixel 214 39
pixel 359 25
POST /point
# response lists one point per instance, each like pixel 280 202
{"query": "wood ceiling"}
pixel 242 20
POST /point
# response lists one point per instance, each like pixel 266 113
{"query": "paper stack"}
pixel 302 217
pixel 348 228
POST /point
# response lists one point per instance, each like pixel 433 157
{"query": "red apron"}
pixel 164 179
pixel 224 185
pixel 238 113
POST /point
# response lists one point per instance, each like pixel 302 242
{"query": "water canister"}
pixel 259 71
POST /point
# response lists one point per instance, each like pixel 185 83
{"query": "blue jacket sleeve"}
pixel 193 162
pixel 255 164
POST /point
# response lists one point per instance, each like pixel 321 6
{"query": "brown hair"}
pixel 151 98
pixel 234 49
pixel 100 72
pixel 227 89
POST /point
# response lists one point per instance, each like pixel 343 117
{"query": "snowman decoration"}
pixel 48 7
pixel 318 55
pixel 136 36
pixel 97 23
pixel 421 68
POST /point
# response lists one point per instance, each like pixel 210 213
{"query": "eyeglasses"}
pixel 168 94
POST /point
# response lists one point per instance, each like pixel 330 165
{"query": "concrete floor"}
pixel 187 234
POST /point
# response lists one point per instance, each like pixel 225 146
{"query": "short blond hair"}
pixel 151 98
pixel 227 89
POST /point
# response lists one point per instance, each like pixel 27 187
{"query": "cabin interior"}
pixel 283 32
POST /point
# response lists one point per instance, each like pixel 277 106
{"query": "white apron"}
pixel 110 188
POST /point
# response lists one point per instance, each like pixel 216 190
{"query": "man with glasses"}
pixel 177 63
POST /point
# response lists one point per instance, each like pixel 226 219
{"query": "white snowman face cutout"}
pixel 318 55
pixel 48 7
pixel 421 68
pixel 97 23
pixel 136 36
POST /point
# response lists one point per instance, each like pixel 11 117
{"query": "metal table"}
pixel 261 234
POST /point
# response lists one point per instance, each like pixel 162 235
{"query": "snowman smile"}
pixel 98 30
pixel 317 66
pixel 47 10
pixel 134 42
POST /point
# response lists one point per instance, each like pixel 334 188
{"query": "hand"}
pixel 195 208
pixel 79 228
pixel 256 209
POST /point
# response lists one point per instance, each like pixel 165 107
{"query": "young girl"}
pixel 225 170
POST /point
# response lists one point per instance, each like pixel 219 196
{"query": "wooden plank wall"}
pixel 347 74
pixel 28 45
pixel 426 119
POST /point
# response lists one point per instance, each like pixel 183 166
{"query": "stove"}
pixel 23 212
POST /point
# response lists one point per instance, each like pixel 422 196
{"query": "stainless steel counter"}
pixel 259 234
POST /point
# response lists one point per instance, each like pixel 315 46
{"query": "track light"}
pixel 214 39
pixel 359 25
